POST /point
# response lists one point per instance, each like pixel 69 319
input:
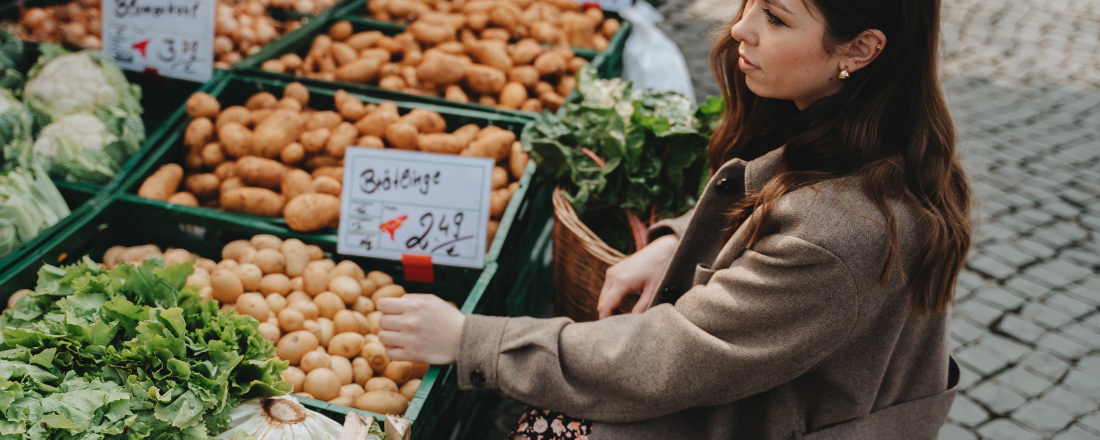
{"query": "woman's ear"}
pixel 864 49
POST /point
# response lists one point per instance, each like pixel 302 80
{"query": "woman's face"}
pixel 782 52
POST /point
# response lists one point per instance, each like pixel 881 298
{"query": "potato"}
pixel 382 402
pixel 381 383
pixel 455 93
pixel 491 142
pixel 275 66
pixel 227 286
pixel 347 344
pixel 527 76
pixel 342 136
pixel 276 301
pixel 206 264
pixel 228 264
pixel 295 377
pixel 389 291
pixel 402 136
pixel 374 319
pixel 375 354
pixel 409 388
pixel 311 212
pixel 250 276
pixel 363 305
pixel 371 337
pixel 270 261
pixel 314 141
pixel 202 185
pixel 352 390
pixel 292 346
pixel 297 91
pixel 199 132
pixel 234 249
pixel 552 100
pixel 314 327
pixel 274 283
pixel 425 121
pixel 566 86
pixel 513 95
pixel 517 161
pixel 342 367
pixel 315 252
pixel 328 304
pixel 265 241
pixel 202 105
pixel 226 169
pixel 441 68
pixel 314 360
pixel 350 107
pixel 200 277
pixel 441 143
pixel 498 202
pixel 183 198
pixel 576 64
pixel 236 114
pixel 359 71
pixel 343 54
pixel 500 177
pixel 314 279
pixel 255 201
pixel 308 308
pixel 336 173
pixel 344 321
pixel 431 33
pixel 295 255
pixel 163 183
pixel 323 384
pixel 363 40
pixel 292 153
pixel 253 304
pixel 525 51
pixel 276 131
pixel 484 79
pixel 261 172
pixel 379 278
pixel 246 256
pixel 375 123
pixel 361 371
pixel 291 319
pixel 236 139
pixel 347 288
pixel 400 372
pixel 491 53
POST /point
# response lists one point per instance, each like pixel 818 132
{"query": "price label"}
pixel 173 37
pixel 403 202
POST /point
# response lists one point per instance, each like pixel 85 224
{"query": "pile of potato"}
pixel 319 314
pixel 77 23
pixel 547 21
pixel 242 29
pixel 438 56
pixel 277 157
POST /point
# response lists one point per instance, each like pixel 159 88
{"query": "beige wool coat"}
pixel 791 339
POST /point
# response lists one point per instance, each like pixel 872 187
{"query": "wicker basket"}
pixel 580 261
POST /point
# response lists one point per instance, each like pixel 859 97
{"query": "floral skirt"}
pixel 540 424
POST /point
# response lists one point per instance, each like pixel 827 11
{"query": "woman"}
pixel 805 296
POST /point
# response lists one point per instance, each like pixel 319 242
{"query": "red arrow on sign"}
pixel 140 46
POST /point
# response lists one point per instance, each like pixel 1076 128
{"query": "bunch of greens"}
pixel 127 353
pixel 625 158
pixel 29 203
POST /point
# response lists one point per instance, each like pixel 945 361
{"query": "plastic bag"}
pixel 651 59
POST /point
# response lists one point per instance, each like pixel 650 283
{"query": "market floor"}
pixel 1023 81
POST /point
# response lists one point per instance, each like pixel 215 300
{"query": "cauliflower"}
pixel 7 101
pixel 71 83
pixel 83 130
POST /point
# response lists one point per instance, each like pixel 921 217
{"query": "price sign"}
pixel 173 37
pixel 402 202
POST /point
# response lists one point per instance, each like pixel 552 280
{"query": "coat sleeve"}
pixel 771 316
pixel 669 226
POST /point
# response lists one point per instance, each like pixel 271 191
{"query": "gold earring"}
pixel 844 74
pixel 880 47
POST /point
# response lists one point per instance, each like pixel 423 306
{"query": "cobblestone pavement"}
pixel 1023 82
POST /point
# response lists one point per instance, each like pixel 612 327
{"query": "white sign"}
pixel 404 202
pixel 174 37
pixel 615 5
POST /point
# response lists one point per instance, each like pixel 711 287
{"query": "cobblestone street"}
pixel 1023 81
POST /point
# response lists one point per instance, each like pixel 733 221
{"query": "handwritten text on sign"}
pixel 401 202
pixel 174 37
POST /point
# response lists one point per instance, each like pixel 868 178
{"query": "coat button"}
pixel 724 186
pixel 477 378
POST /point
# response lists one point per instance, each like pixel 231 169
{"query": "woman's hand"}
pixel 420 328
pixel 638 273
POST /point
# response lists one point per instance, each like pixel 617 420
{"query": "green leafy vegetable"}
pixel 29 203
pixel 127 353
pixel 625 158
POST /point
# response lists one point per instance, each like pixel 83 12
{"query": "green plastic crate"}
pixel 432 409
pixel 300 43
pixel 235 89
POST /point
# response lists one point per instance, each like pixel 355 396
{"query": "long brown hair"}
pixel 888 126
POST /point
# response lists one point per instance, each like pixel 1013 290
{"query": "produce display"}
pixel 320 314
pixel 626 158
pixel 129 352
pixel 87 117
pixel 241 27
pixel 276 157
pixel 547 21
pixel 436 56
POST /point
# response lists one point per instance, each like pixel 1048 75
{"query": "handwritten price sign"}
pixel 401 202
pixel 173 37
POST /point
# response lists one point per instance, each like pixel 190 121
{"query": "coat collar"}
pixel 761 170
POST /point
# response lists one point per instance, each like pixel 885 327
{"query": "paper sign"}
pixel 173 37
pixel 614 5
pixel 402 202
